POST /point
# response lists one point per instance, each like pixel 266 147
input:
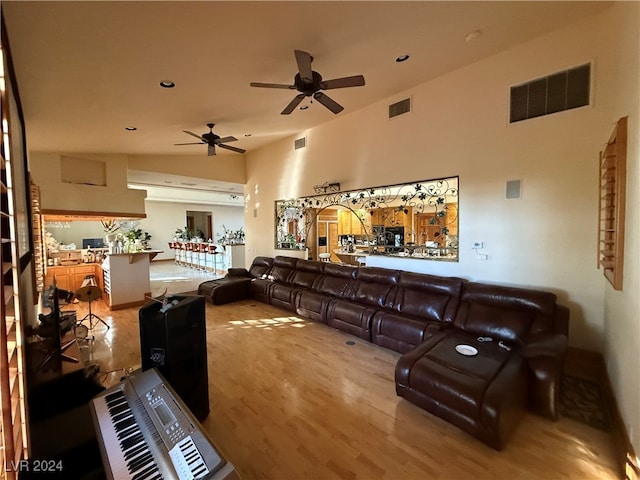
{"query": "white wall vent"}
pixel 554 93
pixel 398 108
pixel 300 143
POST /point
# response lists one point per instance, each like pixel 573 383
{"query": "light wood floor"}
pixel 291 400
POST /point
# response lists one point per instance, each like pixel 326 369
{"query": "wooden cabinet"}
pixel 428 226
pixel 71 277
pixel 349 223
pixel 392 217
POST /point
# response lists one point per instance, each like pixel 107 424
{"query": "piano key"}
pixel 131 441
pixel 134 451
pixel 116 462
pixel 124 423
pixel 127 432
pixel 143 474
pixel 134 443
pixel 119 407
pixel 114 395
pixel 144 459
pixel 117 414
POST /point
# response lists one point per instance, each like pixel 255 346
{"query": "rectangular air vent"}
pixel 398 108
pixel 300 143
pixel 554 93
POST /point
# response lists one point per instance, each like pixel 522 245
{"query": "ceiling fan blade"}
pixel 303 59
pixel 328 102
pixel 354 81
pixel 272 85
pixel 190 143
pixel 234 149
pixel 293 104
pixel 211 150
pixel 226 140
pixel 194 135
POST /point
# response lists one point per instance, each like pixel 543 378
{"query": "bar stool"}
pixel 179 254
pixel 188 254
pixel 212 257
pixel 324 257
pixel 172 246
pixel 202 255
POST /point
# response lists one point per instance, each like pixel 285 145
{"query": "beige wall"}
pixel 622 308
pixel 56 195
pixel 459 126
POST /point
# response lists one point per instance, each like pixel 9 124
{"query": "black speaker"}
pixel 173 339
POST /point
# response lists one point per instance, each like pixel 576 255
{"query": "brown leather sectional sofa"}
pixel 476 355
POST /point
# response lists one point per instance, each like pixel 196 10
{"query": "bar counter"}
pixel 126 278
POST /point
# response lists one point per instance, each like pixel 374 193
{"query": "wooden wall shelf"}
pixel 611 218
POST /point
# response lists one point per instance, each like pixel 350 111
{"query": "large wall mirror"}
pixel 417 220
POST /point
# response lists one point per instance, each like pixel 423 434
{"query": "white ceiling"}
pixel 86 70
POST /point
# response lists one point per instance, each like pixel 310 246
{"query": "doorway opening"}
pixel 201 223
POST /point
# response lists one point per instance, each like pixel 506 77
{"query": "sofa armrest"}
pixel 545 345
pixel 406 361
pixel 238 272
pixel 544 353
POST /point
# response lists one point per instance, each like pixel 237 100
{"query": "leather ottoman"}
pixel 226 290
pixel 484 393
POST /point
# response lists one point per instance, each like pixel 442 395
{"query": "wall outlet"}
pixel 478 245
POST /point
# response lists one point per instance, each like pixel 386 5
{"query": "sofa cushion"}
pixel 336 280
pixel 399 332
pixel 350 317
pixel 313 305
pixel 375 286
pixel 283 269
pixel 225 290
pixel 260 266
pixel 505 313
pixel 429 297
pixel 307 273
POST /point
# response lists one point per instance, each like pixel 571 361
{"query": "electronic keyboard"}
pixel 146 432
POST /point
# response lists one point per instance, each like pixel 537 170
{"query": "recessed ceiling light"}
pixel 167 84
pixel 247 134
pixel 167 181
pixel 304 107
pixel 402 58
pixel 471 36
pixel 130 129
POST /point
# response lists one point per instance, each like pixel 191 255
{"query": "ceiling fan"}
pixel 309 83
pixel 212 140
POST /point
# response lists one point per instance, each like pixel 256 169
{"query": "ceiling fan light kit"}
pixel 310 83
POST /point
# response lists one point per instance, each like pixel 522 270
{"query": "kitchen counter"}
pixel 350 258
pixel 152 253
pixel 126 278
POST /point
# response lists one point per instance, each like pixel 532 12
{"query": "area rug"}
pixel 584 401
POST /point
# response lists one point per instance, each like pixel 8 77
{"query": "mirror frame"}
pixel 295 217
